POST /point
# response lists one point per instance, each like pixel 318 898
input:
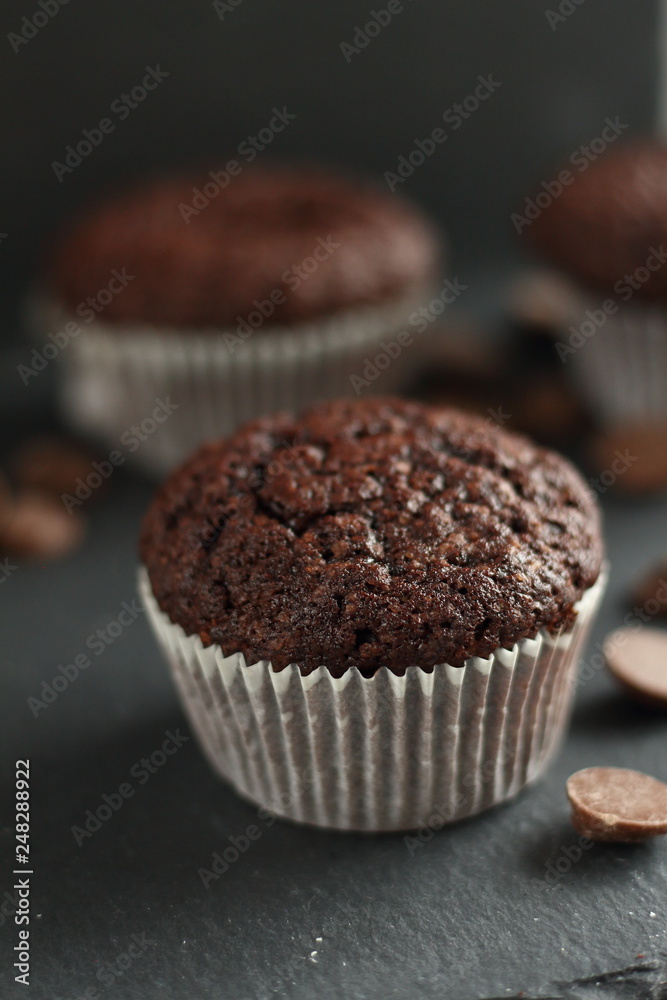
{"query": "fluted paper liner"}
pixel 621 368
pixel 111 377
pixel 378 753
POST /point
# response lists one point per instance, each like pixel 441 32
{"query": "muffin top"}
pixel 294 244
pixel 610 220
pixel 371 533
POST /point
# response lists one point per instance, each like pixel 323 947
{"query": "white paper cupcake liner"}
pixel 380 753
pixel 111 378
pixel 620 367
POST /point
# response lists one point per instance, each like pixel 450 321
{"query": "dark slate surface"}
pixel 479 911
pixel 471 913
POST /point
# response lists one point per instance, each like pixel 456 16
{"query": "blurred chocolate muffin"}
pixel 607 221
pixel 231 297
pixel 605 227
pixel 251 240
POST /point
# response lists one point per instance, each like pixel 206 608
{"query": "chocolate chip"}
pixel 541 300
pixel 50 465
pixel 39 527
pixel 650 593
pixel 548 409
pixel 617 804
pixel 638 659
pixel 632 459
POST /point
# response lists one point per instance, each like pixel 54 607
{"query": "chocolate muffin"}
pixel 368 534
pixel 250 241
pixel 233 299
pixel 373 612
pixel 607 231
pixel 606 222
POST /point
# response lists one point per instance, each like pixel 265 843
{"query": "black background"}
pixel 557 88
pixel 471 914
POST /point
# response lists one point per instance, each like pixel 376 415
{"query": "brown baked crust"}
pixel 371 532
pixel 606 223
pixel 208 271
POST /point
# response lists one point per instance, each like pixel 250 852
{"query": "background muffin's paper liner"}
pixel 379 753
pixel 113 378
pixel 620 369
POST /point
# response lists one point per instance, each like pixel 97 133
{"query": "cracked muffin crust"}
pixel 371 533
